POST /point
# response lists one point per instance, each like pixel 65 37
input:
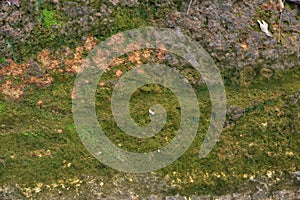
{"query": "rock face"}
pixel 295 1
pixel 229 31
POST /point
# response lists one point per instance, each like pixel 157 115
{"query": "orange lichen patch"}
pixel 135 57
pixel 12 91
pixel 102 84
pixel 74 65
pixel 48 61
pixel 70 66
pixel 245 46
pixel 160 54
pixel 138 56
pixel 78 52
pixel 147 53
pixel 14 69
pixel 44 81
pixel 59 130
pixel 119 73
pixel 39 104
pixel 117 62
pixel 90 43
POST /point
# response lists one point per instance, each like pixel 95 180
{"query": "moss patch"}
pixel 41 142
pixel 49 18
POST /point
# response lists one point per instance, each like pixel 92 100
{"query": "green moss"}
pixel 49 18
pixel 32 134
pixel 1 106
pixel 246 147
pixel 2 60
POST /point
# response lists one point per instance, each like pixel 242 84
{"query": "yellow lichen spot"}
pixel 289 153
pixel 223 174
pixel 251 144
pixel 269 174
